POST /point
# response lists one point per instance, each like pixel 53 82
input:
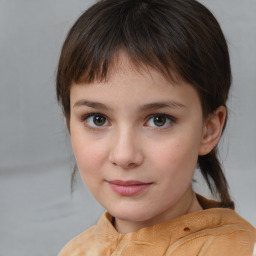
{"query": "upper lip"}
pixel 128 182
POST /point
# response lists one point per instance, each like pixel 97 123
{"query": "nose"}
pixel 126 151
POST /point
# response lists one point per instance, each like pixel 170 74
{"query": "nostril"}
pixel 126 159
pixel 127 166
pixel 131 165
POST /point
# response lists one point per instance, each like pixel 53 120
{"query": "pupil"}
pixel 159 120
pixel 99 120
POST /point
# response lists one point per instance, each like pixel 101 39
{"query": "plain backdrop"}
pixel 38 213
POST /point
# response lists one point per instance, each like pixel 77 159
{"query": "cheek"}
pixel 89 159
pixel 178 164
pixel 89 155
pixel 176 158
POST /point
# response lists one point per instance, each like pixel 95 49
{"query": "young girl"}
pixel 143 85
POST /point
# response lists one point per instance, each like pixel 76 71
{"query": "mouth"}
pixel 128 188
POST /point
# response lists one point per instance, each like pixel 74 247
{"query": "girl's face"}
pixel 136 139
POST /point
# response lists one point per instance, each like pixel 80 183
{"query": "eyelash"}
pixel 85 118
pixel 167 117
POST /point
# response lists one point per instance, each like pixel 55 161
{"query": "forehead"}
pixel 130 86
pixel 121 63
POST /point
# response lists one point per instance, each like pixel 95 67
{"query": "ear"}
pixel 212 130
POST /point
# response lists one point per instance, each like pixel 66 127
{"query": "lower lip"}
pixel 129 190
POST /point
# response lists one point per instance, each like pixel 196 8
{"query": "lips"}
pixel 128 188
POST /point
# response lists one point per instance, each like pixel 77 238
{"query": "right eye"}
pixel 96 120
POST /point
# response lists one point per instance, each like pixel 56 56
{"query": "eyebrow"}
pixel 159 105
pixel 142 108
pixel 91 104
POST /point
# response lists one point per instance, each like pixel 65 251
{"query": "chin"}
pixel 130 214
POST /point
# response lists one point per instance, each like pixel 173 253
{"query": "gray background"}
pixel 38 214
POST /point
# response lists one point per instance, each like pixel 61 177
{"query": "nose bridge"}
pixel 126 151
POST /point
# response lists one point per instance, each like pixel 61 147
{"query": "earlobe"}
pixel 213 128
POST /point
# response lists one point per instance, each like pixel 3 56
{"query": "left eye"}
pixel 159 121
pixel 96 120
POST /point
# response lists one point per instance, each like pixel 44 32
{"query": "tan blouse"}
pixel 211 232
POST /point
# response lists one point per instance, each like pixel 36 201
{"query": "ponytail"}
pixel 212 172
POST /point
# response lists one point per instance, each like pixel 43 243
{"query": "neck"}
pixel 188 203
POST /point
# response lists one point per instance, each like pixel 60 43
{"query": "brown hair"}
pixel 172 36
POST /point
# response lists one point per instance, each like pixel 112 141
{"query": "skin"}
pixel 128 145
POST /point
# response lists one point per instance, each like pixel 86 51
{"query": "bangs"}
pixel 180 39
pixel 94 44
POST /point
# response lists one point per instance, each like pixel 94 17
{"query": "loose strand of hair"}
pixel 212 172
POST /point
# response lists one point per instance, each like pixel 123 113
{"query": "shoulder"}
pixel 235 234
pixel 94 241
pixel 219 231
pixel 223 221
pixel 232 227
pixel 79 243
pixel 234 239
